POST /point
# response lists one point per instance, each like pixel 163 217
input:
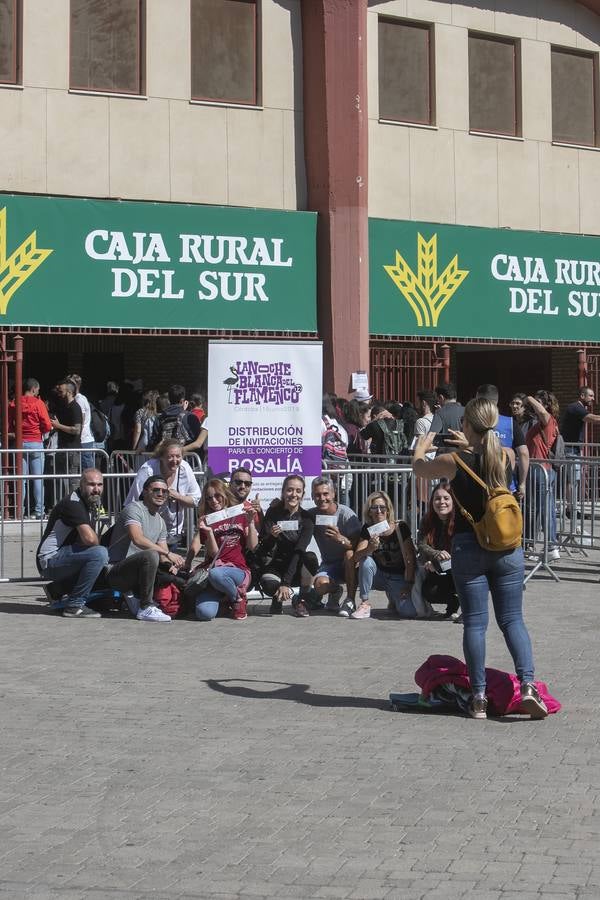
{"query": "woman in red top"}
pixel 35 424
pixel 540 439
pixel 225 542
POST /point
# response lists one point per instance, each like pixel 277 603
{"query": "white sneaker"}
pixel 152 614
pixel 363 612
pixel 554 553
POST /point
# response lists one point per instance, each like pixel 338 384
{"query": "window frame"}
pixel 17 47
pixel 429 27
pixel 256 103
pixel 517 75
pixel 586 54
pixel 141 59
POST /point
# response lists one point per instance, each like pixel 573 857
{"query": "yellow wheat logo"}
pixel 427 293
pixel 16 269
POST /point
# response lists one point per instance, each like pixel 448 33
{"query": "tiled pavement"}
pixel 259 759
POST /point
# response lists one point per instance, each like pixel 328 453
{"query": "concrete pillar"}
pixel 334 40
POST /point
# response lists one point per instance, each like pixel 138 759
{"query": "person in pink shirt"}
pixel 35 424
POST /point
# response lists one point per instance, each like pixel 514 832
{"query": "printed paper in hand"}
pixel 327 521
pixel 213 518
pixel 287 525
pixel 379 528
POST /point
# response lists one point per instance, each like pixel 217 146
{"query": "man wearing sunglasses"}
pixel 240 485
pixel 137 544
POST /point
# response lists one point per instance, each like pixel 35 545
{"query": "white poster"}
pixel 264 405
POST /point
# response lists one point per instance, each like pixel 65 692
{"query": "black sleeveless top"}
pixel 469 494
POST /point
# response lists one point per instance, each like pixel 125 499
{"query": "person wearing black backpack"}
pixel 175 422
pixel 477 571
pixel 386 433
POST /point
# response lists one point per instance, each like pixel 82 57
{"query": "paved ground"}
pixel 259 759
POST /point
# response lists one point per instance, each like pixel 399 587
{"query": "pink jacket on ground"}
pixel 502 689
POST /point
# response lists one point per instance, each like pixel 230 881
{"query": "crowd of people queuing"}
pixel 314 558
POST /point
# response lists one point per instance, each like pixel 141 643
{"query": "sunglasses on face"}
pixel 159 490
pixel 215 497
pixel 240 483
pixel 378 508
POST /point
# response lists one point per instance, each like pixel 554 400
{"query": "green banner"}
pixel 458 281
pixel 115 264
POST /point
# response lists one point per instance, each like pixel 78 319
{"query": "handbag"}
pixel 196 583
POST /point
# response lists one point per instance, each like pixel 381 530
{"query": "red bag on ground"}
pixel 168 598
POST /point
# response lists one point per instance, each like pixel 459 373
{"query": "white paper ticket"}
pixel 223 514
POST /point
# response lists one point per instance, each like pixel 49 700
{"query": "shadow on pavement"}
pixel 296 693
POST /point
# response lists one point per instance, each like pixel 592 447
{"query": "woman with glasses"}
pixel 286 533
pixel 385 558
pixel 184 492
pixel 225 542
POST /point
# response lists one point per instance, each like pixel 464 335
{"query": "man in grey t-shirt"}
pixel 137 544
pixel 336 541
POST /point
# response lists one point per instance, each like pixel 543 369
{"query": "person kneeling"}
pixel 385 555
pixel 138 543
pixel 287 531
pixel 225 539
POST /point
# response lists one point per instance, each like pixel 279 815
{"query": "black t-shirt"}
pixel 289 545
pixel 573 425
pixel 388 555
pixel 70 414
pixel 468 493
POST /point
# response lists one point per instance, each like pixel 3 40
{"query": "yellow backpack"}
pixel 501 526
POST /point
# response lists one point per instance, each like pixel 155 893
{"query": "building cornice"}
pixel 594 5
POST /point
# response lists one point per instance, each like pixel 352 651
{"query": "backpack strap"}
pixel 460 462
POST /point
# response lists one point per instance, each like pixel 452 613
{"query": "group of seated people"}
pixel 295 556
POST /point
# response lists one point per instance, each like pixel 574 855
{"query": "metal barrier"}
pixel 561 506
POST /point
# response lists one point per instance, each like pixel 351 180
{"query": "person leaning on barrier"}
pixel 541 438
pixel 184 492
pixel 70 550
pixel 336 541
pixel 137 545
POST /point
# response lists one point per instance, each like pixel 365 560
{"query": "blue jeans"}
pixel 397 590
pixel 545 517
pixel 76 561
pixel 476 572
pixel 33 464
pixel 223 580
pixel 88 460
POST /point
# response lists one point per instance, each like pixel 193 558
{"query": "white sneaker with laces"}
pixel 554 553
pixel 363 612
pixel 152 614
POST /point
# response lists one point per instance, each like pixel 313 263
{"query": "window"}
pixel 106 45
pixel 10 42
pixel 494 85
pixel 574 97
pixel 225 51
pixel 406 72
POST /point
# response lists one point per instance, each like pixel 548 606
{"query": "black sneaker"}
pixel 276 607
pixel 531 702
pixel 80 612
pixel 346 609
pixel 478 707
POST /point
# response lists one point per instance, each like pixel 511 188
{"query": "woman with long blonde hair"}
pixel 478 571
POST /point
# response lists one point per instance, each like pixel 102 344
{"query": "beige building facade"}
pixel 307 141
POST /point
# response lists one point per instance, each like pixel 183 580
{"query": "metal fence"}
pixel 561 509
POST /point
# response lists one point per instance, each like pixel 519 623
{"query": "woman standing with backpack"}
pixel 478 571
